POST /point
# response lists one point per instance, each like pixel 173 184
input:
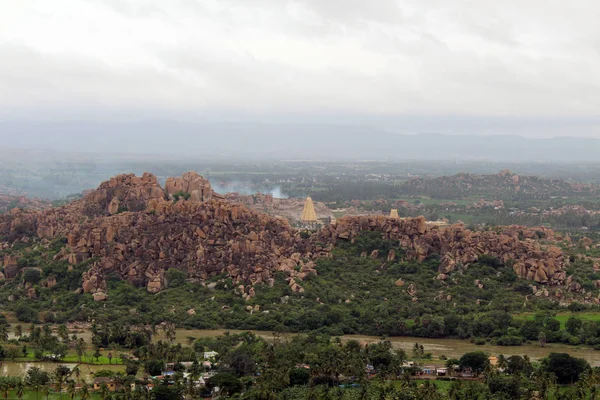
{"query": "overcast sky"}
pixel 459 63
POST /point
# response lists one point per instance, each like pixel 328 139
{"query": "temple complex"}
pixel 308 214
pixel 394 213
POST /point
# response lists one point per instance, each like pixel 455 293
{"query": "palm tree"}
pixel 19 388
pixel 104 393
pixel 63 332
pixel 5 388
pixel 84 393
pixel 18 331
pixel 36 388
pixel 3 333
pixel 71 389
pixel 80 347
pixel 77 372
pixel 501 362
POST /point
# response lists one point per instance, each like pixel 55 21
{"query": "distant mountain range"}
pixel 287 142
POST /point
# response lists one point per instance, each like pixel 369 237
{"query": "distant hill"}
pixel 504 185
pixel 287 141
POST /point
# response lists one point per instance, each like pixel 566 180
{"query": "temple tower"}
pixel 308 214
pixel 394 213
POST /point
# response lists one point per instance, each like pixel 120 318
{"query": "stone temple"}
pixel 394 213
pixel 308 214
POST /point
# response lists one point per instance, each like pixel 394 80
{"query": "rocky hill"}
pixel 504 185
pixel 132 227
pixel 458 247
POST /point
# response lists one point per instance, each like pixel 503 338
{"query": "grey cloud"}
pixel 272 58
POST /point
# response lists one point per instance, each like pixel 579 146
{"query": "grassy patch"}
pixel 102 360
pixel 562 317
pixel 32 395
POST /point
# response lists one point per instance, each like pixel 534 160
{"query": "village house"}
pixel 109 382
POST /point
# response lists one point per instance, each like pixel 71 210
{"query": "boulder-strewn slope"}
pixel 133 227
pixel 458 246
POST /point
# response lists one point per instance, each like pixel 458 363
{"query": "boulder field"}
pixel 137 229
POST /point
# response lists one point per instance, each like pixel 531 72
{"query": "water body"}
pixel 451 348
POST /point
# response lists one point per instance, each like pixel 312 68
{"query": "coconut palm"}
pixel 63 332
pixel 71 389
pixel 5 389
pixel 80 348
pixel 501 362
pixel 104 392
pixel 19 390
pixel 84 393
pixel 77 372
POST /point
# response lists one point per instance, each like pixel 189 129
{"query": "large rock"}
pixel 127 192
pixel 192 183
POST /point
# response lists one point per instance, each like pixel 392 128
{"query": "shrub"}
pixel 299 376
pixel 25 313
pixel 509 341
pixel 32 276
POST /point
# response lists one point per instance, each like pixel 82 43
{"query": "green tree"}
pixel 32 275
pixel 567 369
pixel 104 392
pixel 84 393
pixel 228 383
pixel 71 389
pixel 573 325
pixel 477 361
pixel 80 348
pixel 19 390
pixel 97 354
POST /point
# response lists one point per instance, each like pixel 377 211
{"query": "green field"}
pixel 32 395
pixel 102 360
pixel 71 357
pixel 562 317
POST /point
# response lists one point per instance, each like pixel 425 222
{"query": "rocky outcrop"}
pixel 129 228
pixel 458 247
pixel 122 193
pixel 195 185
pixel 202 236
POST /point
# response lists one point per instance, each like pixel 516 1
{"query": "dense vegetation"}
pixel 313 366
pixel 351 294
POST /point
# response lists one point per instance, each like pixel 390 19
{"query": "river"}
pixel 451 348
